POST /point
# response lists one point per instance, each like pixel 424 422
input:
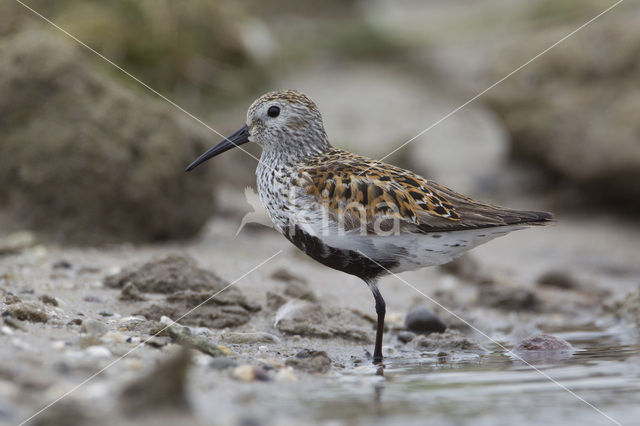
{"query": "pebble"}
pixel 449 341
pixel 98 352
pixel 11 298
pixel 543 348
pixel 161 389
pixel 114 337
pixel 311 361
pixel 48 300
pixel 558 278
pixel 16 242
pixel 249 338
pixel 62 264
pixel 424 321
pixel 508 298
pixel 249 373
pixel 28 311
pixel 406 336
pixel 222 363
pixel 93 327
pixel 183 336
pixel 286 375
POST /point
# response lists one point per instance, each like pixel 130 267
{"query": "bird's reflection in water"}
pixel 378 389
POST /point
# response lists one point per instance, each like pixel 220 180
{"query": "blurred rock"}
pixel 311 319
pixel 222 363
pixel 249 338
pixel 558 278
pixel 543 348
pixel 28 311
pixel 627 308
pixel 449 341
pixel 48 300
pixel 93 327
pixel 195 50
pixel 249 373
pixel 310 361
pixel 575 109
pixel 507 298
pixel 422 320
pixel 85 160
pixel 162 389
pixel 406 336
pixel 186 286
pixel 296 287
pixel 465 267
pixel 183 336
pixel 16 242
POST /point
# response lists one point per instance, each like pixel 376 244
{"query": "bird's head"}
pixel 285 121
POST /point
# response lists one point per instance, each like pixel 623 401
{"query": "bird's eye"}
pixel 273 111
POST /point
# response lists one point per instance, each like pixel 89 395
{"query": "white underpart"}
pixel 410 250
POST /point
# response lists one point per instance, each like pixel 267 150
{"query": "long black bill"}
pixel 239 137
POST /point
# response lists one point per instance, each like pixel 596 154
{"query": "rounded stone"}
pixel 424 321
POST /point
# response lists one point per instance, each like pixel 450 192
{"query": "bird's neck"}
pixel 291 154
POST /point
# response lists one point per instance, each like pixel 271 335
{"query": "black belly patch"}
pixel 344 260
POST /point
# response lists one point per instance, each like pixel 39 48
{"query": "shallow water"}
pixel 493 389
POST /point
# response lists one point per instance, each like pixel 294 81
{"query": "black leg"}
pixel 380 310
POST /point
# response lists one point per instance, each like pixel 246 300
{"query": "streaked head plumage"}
pixel 286 121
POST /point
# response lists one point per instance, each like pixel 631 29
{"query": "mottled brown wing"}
pixel 354 187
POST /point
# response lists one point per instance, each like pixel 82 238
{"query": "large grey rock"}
pixel 575 109
pixel 85 160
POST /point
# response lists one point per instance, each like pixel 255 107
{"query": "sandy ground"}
pixel 43 361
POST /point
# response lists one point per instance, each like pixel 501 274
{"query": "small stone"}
pixel 275 300
pixel 558 278
pixel 222 363
pixel 16 242
pixel 98 352
pixel 449 341
pixel 423 321
pixel 543 348
pixel 76 321
pixel 163 388
pixel 105 314
pixel 62 264
pixel 92 299
pixel 131 293
pixel 299 290
pixel 249 373
pixel 466 267
pixel 114 337
pixel 183 336
pixel 311 361
pixel 249 338
pixel 302 317
pixel 284 275
pixel 93 327
pixel 508 298
pixel 406 336
pixel 48 300
pixel 11 298
pixel 286 375
pixel 11 322
pixel 28 311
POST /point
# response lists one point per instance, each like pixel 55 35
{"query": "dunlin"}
pixel 352 213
